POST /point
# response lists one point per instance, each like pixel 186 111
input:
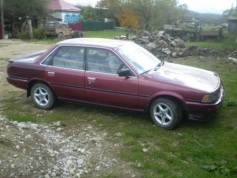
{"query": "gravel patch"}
pixel 38 150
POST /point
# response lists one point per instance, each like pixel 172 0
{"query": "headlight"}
pixel 209 98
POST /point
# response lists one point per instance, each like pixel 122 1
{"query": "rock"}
pixel 173 44
pixel 151 46
pixel 157 41
pixel 114 160
pixel 146 33
pixel 233 59
pixel 166 51
pixel 174 54
pixel 80 162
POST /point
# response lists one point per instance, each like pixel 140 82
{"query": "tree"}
pixel 150 14
pixel 115 7
pixel 183 7
pixel 14 10
pixel 167 13
pixel 229 12
pixel 154 13
pixel 128 19
pixel 89 13
pixel 146 10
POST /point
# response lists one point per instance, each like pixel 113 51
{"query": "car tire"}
pixel 60 35
pixel 42 96
pixel 165 113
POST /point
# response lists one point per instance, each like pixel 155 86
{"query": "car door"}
pixel 65 72
pixel 102 83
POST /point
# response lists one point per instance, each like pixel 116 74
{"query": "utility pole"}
pixel 2 19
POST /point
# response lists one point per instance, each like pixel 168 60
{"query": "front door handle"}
pixel 91 79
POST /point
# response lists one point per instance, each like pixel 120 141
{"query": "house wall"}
pixel 71 17
pixel 68 17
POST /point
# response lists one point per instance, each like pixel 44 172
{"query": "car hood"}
pixel 185 76
pixel 27 58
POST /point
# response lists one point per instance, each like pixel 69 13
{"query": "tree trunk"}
pixel 30 28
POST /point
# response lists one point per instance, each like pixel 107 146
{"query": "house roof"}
pixel 61 5
pixel 232 18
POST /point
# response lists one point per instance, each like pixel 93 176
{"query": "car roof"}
pixel 98 42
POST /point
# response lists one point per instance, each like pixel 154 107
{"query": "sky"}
pixel 209 6
pixel 202 6
pixel 82 2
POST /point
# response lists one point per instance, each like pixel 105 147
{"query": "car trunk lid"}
pixel 27 58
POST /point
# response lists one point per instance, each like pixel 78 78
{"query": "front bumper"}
pixel 204 111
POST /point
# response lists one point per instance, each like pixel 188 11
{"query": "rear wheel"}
pixel 42 96
pixel 165 113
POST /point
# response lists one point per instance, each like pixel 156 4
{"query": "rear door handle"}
pixel 51 74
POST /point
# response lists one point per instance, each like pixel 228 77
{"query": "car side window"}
pixel 67 57
pixel 102 60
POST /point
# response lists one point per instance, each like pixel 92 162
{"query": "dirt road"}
pixel 10 48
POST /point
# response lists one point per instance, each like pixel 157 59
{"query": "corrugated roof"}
pixel 61 5
pixel 232 18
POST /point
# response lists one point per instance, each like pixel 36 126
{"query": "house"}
pixel 65 12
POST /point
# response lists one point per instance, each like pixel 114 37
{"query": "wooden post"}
pixel 30 27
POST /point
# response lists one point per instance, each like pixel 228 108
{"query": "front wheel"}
pixel 60 35
pixel 42 96
pixel 165 113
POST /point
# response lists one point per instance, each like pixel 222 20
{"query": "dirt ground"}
pixel 37 150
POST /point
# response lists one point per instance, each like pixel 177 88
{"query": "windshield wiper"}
pixel 155 69
pixel 146 71
pixel 159 65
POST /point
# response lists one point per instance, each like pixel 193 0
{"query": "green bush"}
pixel 24 35
pixel 37 34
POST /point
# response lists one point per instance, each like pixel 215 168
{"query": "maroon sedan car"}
pixel 119 74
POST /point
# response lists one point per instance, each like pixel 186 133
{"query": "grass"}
pixel 104 34
pixel 87 34
pixel 224 45
pixel 227 44
pixel 192 150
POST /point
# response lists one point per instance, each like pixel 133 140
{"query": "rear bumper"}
pixel 203 111
pixel 18 82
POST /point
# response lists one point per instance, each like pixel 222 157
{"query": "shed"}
pixel 232 24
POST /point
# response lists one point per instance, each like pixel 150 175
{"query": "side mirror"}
pixel 125 72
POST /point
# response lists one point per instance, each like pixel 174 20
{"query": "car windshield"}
pixel 139 57
pixel 51 24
